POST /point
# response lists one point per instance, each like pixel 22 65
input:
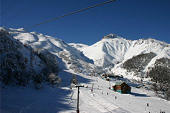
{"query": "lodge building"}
pixel 122 88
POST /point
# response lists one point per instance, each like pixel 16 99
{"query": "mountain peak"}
pixel 19 29
pixel 110 36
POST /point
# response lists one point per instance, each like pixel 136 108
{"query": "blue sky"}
pixel 132 19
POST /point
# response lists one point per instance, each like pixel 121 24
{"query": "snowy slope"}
pixel 108 51
pixel 18 64
pixel 146 46
pixel 63 99
pixel 78 46
pixel 72 57
pixel 113 49
pixel 139 47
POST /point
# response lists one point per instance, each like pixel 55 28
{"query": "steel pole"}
pixel 78 100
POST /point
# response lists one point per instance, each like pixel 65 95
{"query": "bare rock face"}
pixel 110 36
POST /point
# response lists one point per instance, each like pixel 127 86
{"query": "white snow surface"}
pixel 58 47
pixel 107 51
pixel 62 99
pixel 78 46
pixel 37 64
pixel 114 50
pixel 40 41
pixel 161 49
pixel 117 49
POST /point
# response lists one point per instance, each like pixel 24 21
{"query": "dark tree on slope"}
pixel 137 63
pixel 160 74
pixel 17 68
pixel 53 78
pixel 12 63
pixel 38 79
pixel 50 60
pixel 167 94
pixel 14 69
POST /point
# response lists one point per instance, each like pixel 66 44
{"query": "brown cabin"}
pixel 122 87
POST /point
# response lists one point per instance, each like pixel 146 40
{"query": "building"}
pixel 122 87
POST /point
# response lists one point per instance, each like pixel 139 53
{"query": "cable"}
pixel 74 12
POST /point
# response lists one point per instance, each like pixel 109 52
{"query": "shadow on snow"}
pixel 46 100
pixel 138 94
pixel 29 100
pixel 67 77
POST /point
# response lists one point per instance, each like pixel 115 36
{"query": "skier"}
pixel 147 104
pixel 91 90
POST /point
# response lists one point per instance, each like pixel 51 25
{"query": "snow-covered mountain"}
pixel 73 58
pixel 113 51
pixel 78 46
pixel 108 51
pixel 26 56
pixel 150 49
pixel 20 64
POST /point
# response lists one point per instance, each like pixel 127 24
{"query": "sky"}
pixel 131 19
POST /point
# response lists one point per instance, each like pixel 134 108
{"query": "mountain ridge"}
pixel 109 53
pixel 73 58
pixel 129 49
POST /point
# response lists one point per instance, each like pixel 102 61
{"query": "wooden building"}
pixel 122 87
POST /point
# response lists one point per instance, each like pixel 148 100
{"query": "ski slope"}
pixel 111 49
pixel 125 103
pixel 63 99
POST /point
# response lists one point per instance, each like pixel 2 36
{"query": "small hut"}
pixel 122 87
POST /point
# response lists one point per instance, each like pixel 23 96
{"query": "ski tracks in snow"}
pixel 98 103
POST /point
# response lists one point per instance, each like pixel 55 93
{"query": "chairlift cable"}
pixel 71 13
